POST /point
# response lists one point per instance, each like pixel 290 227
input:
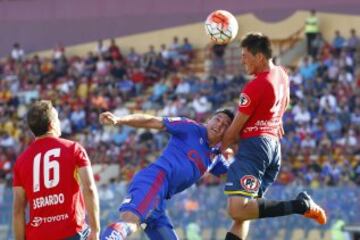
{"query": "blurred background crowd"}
pixel 321 145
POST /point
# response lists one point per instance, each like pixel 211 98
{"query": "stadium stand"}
pixel 322 125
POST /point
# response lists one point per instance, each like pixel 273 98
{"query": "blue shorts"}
pixel 146 199
pixel 256 166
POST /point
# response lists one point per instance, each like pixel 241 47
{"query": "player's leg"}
pixel 241 225
pixel 128 224
pixel 302 204
pixel 158 225
pixel 242 209
pixel 244 177
pixel 143 197
pixel 162 233
pixel 238 228
pixel 243 182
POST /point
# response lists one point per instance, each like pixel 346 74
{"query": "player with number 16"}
pixel 46 177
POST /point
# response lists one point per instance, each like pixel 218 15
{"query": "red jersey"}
pixel 264 99
pixel 47 170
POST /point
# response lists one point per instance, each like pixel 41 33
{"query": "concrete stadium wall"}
pixel 247 22
pixel 40 24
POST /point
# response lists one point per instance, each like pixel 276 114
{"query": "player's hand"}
pixel 230 150
pixel 228 153
pixel 107 118
pixel 94 236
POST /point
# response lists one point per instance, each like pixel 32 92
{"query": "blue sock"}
pixel 116 231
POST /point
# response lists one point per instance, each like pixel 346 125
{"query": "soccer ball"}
pixel 221 26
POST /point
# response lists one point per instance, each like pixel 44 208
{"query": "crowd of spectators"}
pixel 159 82
pixel 321 145
pixel 322 141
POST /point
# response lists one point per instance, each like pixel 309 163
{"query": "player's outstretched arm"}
pixel 19 205
pixel 91 200
pixel 134 120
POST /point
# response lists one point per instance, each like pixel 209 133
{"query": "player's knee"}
pixel 129 217
pixel 234 214
pixel 236 208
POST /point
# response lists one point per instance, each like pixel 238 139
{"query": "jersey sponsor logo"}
pixel 250 183
pixel 37 221
pixel 49 200
pixel 268 123
pixel 244 100
pixel 251 129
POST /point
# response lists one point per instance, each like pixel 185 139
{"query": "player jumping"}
pixel 183 162
pixel 258 127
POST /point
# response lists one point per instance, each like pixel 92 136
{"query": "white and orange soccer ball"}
pixel 221 26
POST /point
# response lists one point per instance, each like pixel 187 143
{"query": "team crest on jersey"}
pixel 250 183
pixel 244 100
pixel 127 200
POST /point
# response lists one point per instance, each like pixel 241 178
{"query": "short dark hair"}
pixel 39 117
pixel 225 111
pixel 257 43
